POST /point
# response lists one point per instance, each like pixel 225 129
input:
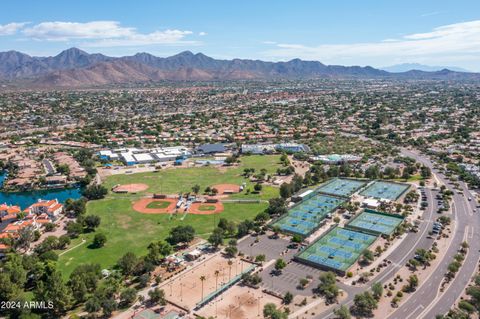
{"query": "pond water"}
pixel 25 199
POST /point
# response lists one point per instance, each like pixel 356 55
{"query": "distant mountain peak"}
pixel 73 51
pixel 76 68
pixel 404 67
pixel 185 54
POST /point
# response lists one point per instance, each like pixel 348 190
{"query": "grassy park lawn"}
pixel 127 230
pixel 411 179
pixel 158 204
pixel 174 181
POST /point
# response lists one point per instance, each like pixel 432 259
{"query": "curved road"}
pixel 427 301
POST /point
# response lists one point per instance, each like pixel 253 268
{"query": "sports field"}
pixel 128 230
pixel 341 186
pixel 306 216
pixel 385 190
pixel 375 222
pixel 239 302
pixel 188 289
pixel 337 250
pixel 181 180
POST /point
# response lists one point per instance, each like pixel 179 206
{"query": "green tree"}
pixel 127 263
pixel 83 280
pixel 157 251
pixel 74 229
pixel 216 238
pixel 377 290
pixel 364 304
pixel 367 256
pixel 258 187
pixel 109 305
pixel 342 313
pixel 196 188
pixel 53 288
pixel 181 234
pixel 157 296
pixel 280 264
pixel 412 282
pixel 270 311
pixel 93 192
pixel 92 222
pixel 287 298
pixel 285 190
pixel 99 240
pixel 128 296
pixel 327 286
pixel 93 305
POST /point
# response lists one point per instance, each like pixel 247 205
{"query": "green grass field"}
pixel 158 204
pixel 127 230
pixel 174 181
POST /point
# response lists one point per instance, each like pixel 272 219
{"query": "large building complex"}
pixel 132 156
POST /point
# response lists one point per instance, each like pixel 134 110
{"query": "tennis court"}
pixel 337 250
pixel 376 222
pixel 306 216
pixel 341 186
pixel 385 190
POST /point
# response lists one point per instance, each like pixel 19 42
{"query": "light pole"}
pixel 258 303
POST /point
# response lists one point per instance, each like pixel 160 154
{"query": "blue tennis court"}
pixel 375 222
pixel 338 249
pixel 341 186
pixel 306 216
pixel 385 190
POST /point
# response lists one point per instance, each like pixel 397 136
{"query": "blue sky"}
pixel 355 32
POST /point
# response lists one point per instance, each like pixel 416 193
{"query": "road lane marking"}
pixel 414 311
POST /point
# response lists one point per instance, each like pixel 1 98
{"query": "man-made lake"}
pixel 25 199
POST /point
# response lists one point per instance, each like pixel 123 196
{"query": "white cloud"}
pixel 11 28
pixel 157 37
pixel 102 34
pixel 429 14
pixel 445 43
pixel 202 34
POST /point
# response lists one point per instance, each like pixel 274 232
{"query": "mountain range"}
pixel 404 67
pixel 77 68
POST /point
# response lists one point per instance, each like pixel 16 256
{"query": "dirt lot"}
pixel 239 302
pixel 186 289
pixel 130 188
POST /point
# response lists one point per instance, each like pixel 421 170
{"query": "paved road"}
pixel 400 256
pixel 428 301
pixel 424 303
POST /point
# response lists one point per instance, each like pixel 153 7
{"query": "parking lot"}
pixel 289 279
pixel 270 247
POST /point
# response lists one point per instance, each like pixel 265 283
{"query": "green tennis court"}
pixel 385 190
pixel 341 186
pixel 375 222
pixel 336 250
pixel 306 216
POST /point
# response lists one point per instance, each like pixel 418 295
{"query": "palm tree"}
pixel 230 263
pixel 202 279
pixel 216 278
